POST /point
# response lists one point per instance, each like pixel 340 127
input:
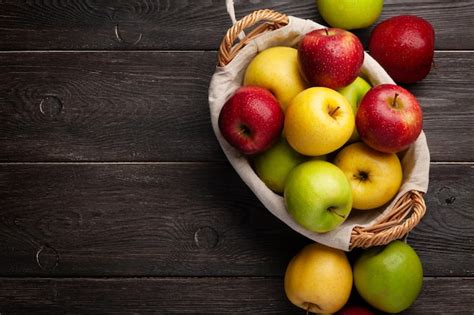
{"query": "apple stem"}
pixel 394 103
pixel 340 215
pixel 331 113
pixel 332 209
pixel 327 33
pixel 309 305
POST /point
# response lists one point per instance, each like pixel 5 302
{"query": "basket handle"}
pixel 227 50
pixel 405 215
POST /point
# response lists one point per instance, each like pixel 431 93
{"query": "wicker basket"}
pixel 408 210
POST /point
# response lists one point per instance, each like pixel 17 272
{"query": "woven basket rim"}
pixel 409 208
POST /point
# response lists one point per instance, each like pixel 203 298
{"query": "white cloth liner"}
pixel 415 161
pixel 231 11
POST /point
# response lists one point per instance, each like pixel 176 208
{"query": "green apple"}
pixel 276 69
pixel 354 93
pixel 318 196
pixel 350 14
pixel 273 165
pixel 389 277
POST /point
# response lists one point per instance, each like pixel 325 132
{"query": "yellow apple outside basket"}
pixel 363 228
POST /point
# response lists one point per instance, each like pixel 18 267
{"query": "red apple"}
pixel 404 46
pixel 389 118
pixel 355 310
pixel 330 57
pixel 251 120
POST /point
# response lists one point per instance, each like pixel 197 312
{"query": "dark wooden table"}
pixel 115 196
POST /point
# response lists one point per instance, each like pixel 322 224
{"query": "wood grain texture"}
pixel 445 296
pixel 106 106
pixel 184 24
pixel 448 227
pixel 191 219
pixel 115 91
pixel 194 296
pixel 152 106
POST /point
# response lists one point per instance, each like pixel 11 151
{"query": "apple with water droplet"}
pixel 330 57
pixel 251 120
pixel 404 46
pixel 389 118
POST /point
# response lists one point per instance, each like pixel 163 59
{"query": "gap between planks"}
pixel 165 163
pixel 116 163
pixel 162 51
pixel 171 278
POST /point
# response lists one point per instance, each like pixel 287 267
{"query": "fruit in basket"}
pixel 330 57
pixel 350 14
pixel 273 165
pixel 375 177
pixel 404 46
pixel 354 93
pixel 389 277
pixel 276 69
pixel 355 310
pixel 251 120
pixel 389 118
pixel 318 121
pixel 319 279
pixel 318 196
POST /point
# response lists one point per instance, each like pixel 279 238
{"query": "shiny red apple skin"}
pixel 404 47
pixel 251 120
pixel 355 310
pixel 385 127
pixel 330 57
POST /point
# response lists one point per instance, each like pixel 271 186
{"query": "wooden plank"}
pixel 447 224
pixel 444 101
pixel 445 296
pixel 184 219
pixel 152 106
pixel 106 106
pixel 153 24
pixel 194 296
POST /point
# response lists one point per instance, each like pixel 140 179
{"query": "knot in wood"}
pixel 50 106
pixel 446 196
pixel 123 37
pixel 206 237
pixel 47 258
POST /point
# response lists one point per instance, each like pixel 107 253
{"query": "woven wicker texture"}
pixel 272 20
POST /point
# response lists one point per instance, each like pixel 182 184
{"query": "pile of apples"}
pixel 319 134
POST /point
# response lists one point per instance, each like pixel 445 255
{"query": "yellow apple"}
pixel 276 69
pixel 318 121
pixel 319 279
pixel 375 177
